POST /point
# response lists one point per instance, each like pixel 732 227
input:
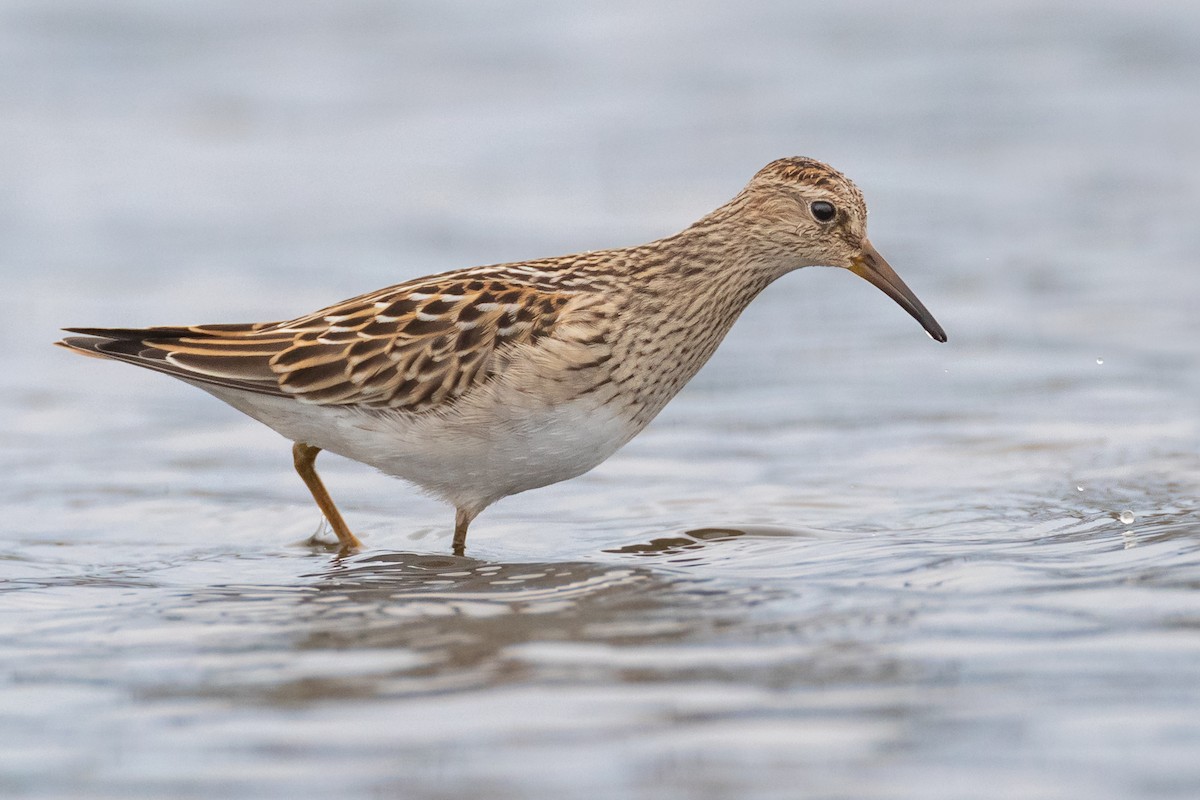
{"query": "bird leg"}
pixel 305 458
pixel 462 518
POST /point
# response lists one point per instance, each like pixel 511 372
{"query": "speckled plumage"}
pixel 484 382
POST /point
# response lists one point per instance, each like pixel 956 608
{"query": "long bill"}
pixel 872 266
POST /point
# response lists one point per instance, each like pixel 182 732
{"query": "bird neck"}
pixel 715 265
pixel 687 291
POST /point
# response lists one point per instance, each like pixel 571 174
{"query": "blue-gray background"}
pixel 846 562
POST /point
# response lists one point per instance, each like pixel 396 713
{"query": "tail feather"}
pixel 240 364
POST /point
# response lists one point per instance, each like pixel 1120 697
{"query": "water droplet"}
pixel 1099 360
pixel 1127 517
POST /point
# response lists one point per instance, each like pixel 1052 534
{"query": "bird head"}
pixel 805 213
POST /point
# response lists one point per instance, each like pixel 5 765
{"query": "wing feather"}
pixel 414 347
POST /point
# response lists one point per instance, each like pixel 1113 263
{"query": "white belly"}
pixel 470 458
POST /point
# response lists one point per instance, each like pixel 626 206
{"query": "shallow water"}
pixel 846 562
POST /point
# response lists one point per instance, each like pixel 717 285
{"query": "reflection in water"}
pixel 399 624
pixel 696 539
pixel 456 618
pixel 671 545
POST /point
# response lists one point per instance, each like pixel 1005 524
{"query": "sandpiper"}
pixel 485 382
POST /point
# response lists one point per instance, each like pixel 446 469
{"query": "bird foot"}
pixel 321 540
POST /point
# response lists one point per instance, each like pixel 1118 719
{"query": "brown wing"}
pixel 412 346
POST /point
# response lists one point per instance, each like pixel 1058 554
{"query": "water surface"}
pixel 846 562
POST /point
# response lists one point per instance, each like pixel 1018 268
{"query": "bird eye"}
pixel 823 211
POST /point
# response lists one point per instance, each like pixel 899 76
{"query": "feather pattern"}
pixel 412 347
pixel 481 383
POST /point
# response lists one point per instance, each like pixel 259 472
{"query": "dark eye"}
pixel 823 211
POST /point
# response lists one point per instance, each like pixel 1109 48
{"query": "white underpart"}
pixel 488 450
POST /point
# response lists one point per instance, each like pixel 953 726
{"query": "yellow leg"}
pixel 305 458
pixel 461 520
